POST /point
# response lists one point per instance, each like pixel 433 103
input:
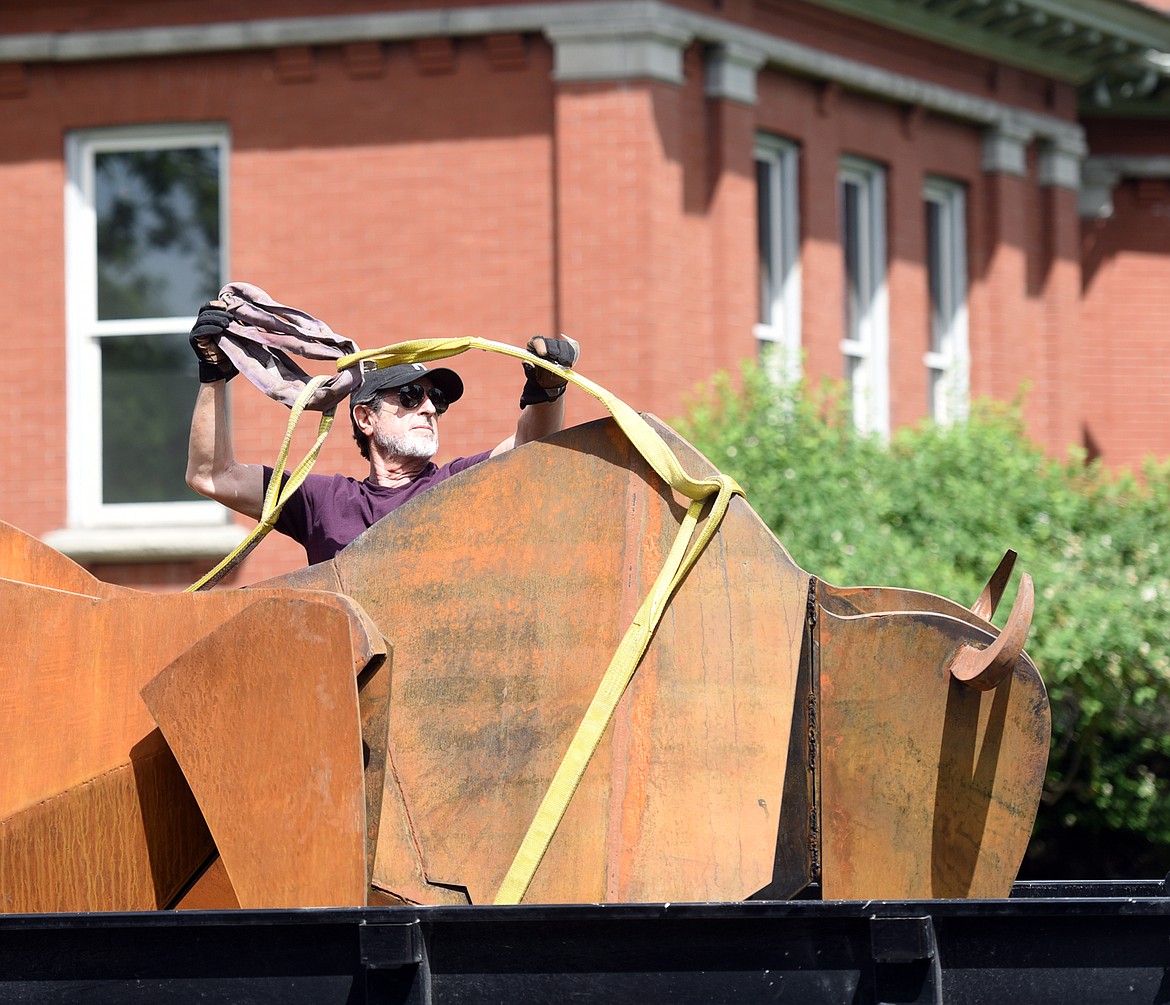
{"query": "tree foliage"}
pixel 934 509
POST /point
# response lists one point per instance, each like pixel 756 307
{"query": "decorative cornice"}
pixel 643 33
pixel 1114 51
pixel 1101 175
pixel 731 72
pixel 1005 147
pixel 1131 166
pixel 1098 180
pixel 649 48
pixel 1060 162
pixel 330 29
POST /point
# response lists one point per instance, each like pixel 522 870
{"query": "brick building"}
pixel 935 199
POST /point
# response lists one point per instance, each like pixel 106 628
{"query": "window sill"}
pixel 106 545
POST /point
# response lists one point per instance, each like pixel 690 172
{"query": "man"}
pixel 395 417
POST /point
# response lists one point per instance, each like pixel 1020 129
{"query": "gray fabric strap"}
pixel 263 334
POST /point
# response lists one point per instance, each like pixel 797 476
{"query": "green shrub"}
pixel 934 510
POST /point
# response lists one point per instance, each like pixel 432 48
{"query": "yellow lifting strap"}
pixel 682 557
pixel 276 496
pixel 633 646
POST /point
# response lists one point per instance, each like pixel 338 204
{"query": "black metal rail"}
pixel 1052 942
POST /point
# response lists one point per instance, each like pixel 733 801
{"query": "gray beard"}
pixel 413 445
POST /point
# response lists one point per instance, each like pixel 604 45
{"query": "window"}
pixel 145 227
pixel 865 348
pixel 947 360
pixel 778 326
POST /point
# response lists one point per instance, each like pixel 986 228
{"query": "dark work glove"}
pixel 209 329
pixel 543 385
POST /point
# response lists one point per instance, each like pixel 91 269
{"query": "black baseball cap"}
pixel 373 381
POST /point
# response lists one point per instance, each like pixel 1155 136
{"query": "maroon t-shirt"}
pixel 329 511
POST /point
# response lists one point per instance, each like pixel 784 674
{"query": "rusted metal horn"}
pixel 989 599
pixel 986 668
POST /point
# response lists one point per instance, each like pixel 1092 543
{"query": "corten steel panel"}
pixel 505 592
pixel 27 560
pixel 272 748
pixel 211 890
pixel 94 812
pixel 128 838
pixel 928 787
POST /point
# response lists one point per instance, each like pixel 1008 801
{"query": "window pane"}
pixel 935 273
pixel 851 247
pixel 855 382
pixel 946 350
pixel 157 231
pixel 764 239
pixel 149 384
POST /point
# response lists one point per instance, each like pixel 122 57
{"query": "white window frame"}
pixel 778 328
pixel 865 350
pixel 84 331
pixel 947 359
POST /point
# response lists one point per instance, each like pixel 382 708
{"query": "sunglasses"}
pixel 412 395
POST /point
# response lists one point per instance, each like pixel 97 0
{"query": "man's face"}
pixel 405 432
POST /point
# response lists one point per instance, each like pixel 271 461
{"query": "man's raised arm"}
pixel 212 469
pixel 542 403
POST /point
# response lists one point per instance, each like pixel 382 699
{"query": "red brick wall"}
pixel 642 234
pixel 1124 363
pixel 449 187
pixel 415 203
pixel 32 437
pixel 1125 359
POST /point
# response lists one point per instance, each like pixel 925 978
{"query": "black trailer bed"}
pixel 1052 942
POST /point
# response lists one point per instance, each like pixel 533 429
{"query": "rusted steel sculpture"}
pixel 96 808
pixel 779 730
